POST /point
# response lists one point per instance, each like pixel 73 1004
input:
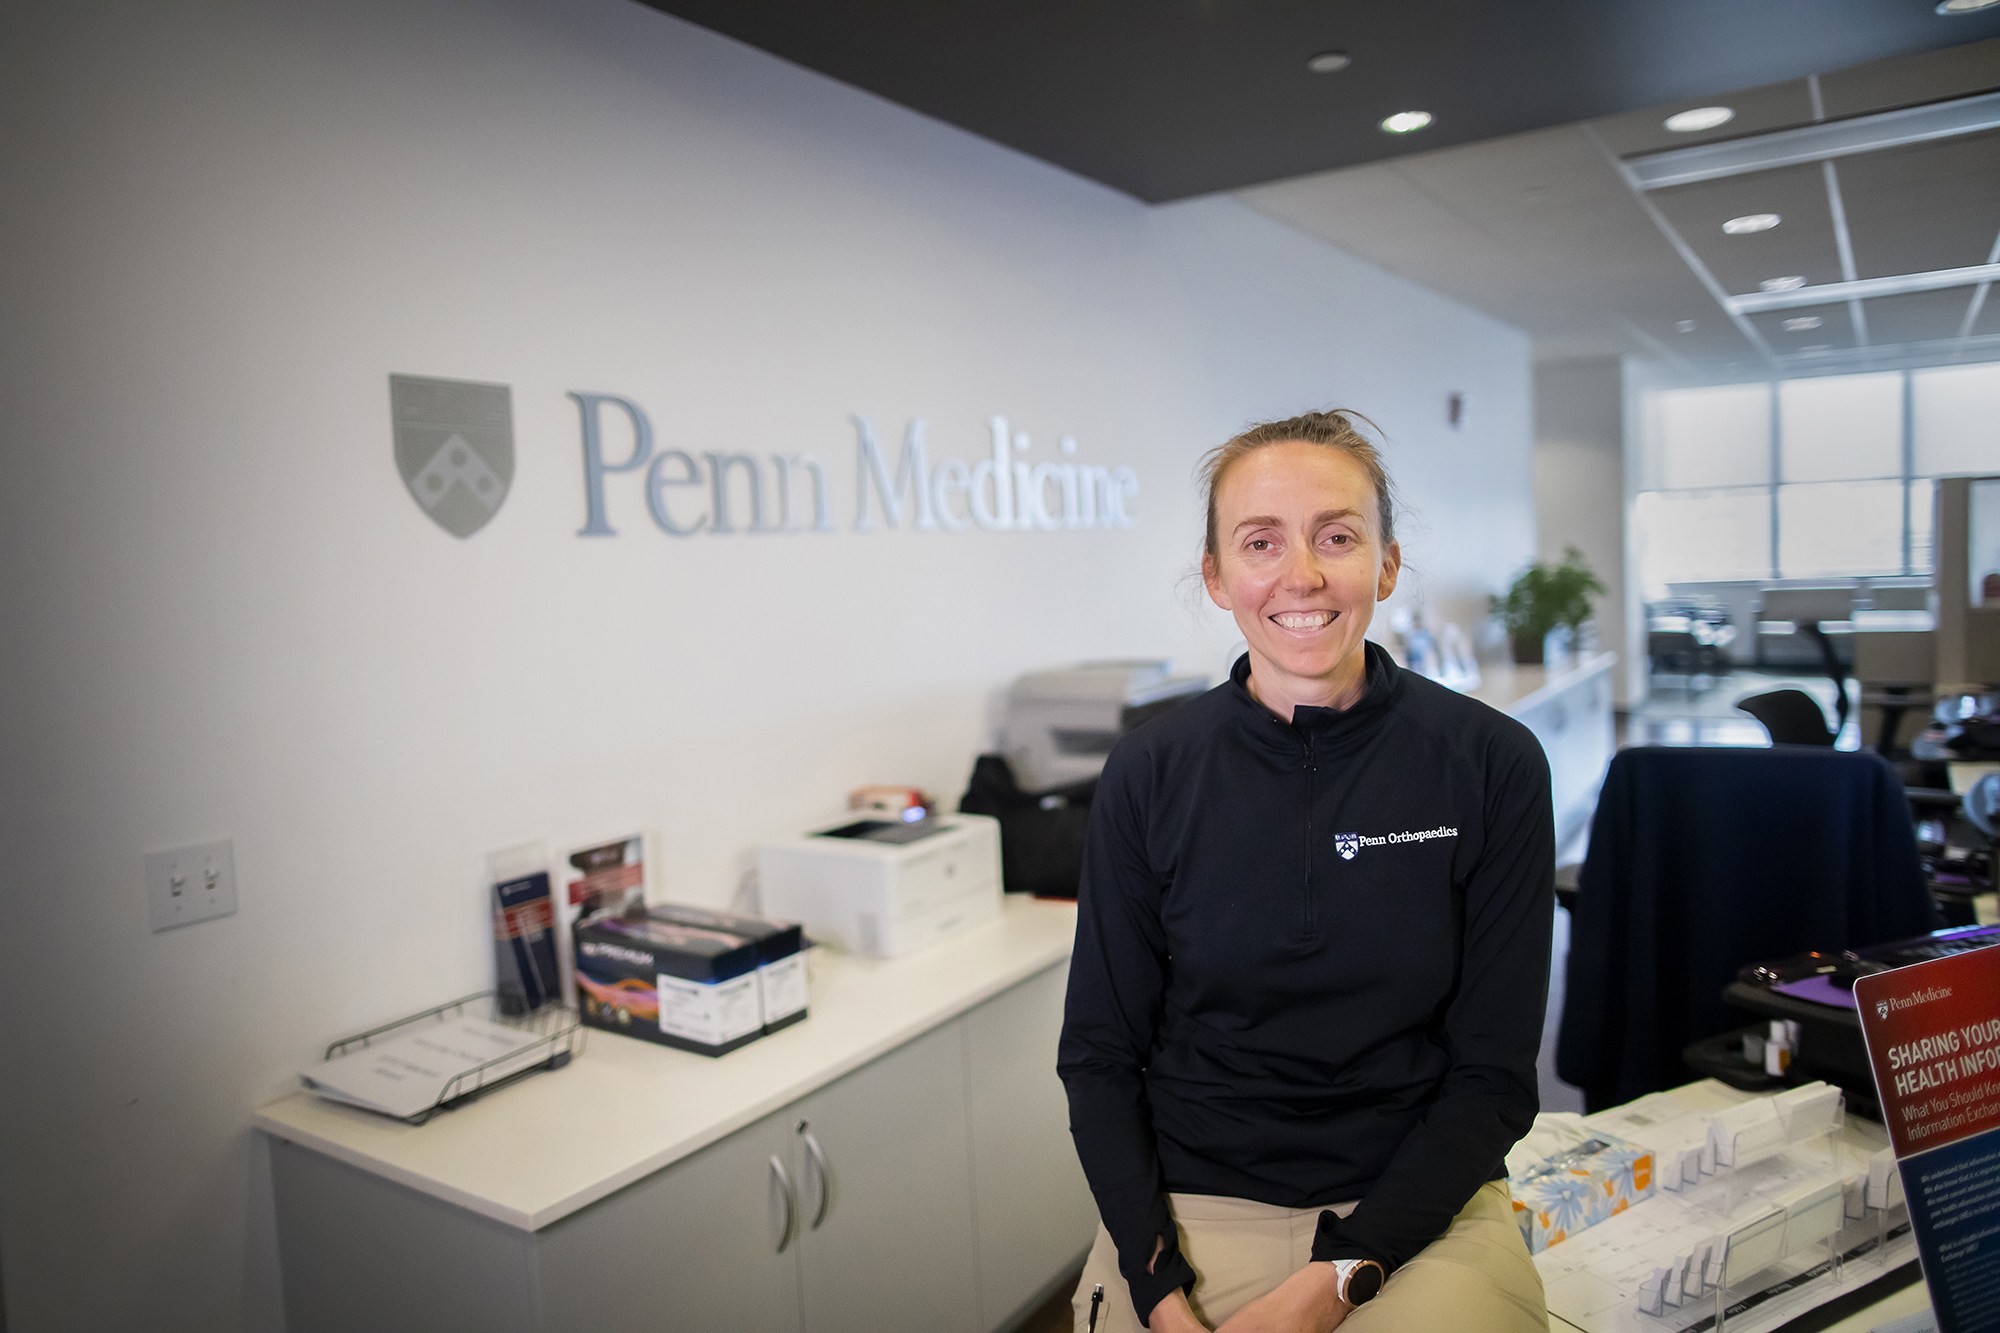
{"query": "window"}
pixel 1718 436
pixel 1836 529
pixel 1814 478
pixel 1703 536
pixel 1841 428
pixel 1955 423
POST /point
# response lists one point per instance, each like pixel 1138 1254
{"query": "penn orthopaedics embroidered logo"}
pixel 1348 844
pixel 454 447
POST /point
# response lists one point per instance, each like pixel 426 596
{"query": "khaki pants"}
pixel 1475 1278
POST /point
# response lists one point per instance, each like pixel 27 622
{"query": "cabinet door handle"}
pixel 816 1158
pixel 784 1180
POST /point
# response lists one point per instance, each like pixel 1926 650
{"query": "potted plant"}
pixel 1542 597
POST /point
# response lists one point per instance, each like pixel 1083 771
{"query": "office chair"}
pixel 1703 860
pixel 1793 717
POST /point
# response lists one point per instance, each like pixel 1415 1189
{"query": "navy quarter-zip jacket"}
pixel 1311 962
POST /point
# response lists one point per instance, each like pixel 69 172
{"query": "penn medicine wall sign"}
pixel 454 449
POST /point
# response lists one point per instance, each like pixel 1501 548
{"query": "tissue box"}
pixel 1561 1195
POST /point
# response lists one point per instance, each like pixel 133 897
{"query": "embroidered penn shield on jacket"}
pixel 1347 844
pixel 454 447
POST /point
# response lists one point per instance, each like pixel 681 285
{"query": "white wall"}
pixel 223 614
pixel 1580 495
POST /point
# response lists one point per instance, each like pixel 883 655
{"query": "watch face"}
pixel 1364 1284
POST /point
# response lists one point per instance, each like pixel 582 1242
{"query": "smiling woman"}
pixel 1301 545
pixel 1312 950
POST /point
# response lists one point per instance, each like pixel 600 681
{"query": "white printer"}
pixel 1062 723
pixel 883 886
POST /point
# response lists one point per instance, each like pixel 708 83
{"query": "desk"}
pixel 1568 707
pixel 757 1190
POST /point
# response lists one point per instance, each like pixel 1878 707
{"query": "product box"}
pixel 1561 1195
pixel 781 967
pixel 685 986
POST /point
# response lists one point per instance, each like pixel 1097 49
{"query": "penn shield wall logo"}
pixel 454 447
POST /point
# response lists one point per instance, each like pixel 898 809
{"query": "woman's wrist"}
pixel 1173 1314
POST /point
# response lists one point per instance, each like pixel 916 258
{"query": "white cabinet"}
pixel 1035 1214
pixel 708 1243
pixel 933 1189
pixel 885 1186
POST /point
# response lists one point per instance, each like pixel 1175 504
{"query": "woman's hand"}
pixel 1174 1315
pixel 1306 1302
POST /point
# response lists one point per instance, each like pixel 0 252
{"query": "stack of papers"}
pixel 405 1073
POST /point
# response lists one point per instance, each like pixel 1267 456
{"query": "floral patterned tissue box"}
pixel 1561 1195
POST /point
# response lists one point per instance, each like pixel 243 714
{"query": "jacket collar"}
pixel 1326 728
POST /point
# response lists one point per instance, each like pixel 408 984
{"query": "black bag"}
pixel 1041 832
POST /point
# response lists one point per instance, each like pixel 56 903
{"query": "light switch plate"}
pixel 189 884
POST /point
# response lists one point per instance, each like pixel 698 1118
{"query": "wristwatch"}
pixel 1357 1281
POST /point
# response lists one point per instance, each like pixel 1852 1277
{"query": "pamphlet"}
pixel 524 949
pixel 606 875
pixel 405 1074
pixel 1933 1034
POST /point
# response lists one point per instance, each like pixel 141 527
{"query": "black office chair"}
pixel 1705 859
pixel 1793 717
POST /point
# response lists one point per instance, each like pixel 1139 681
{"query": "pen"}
pixel 1096 1299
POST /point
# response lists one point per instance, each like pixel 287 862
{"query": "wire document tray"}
pixel 556 1035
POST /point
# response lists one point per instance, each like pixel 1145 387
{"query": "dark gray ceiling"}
pixel 1164 99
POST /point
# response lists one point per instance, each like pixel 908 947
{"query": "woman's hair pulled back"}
pixel 1331 430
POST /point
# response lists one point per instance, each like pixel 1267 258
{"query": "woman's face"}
pixel 1300 563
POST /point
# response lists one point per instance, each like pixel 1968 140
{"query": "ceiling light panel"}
pixel 1793 330
pixel 1802 246
pixel 1329 62
pixel 1831 141
pixel 1776 106
pixel 1865 289
pixel 1406 122
pixel 1953 8
pixel 1789 283
pixel 1696 120
pixel 1750 224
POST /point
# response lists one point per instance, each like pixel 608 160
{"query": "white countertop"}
pixel 625 1108
pixel 1515 689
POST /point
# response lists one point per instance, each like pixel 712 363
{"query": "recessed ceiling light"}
pixel 1685 326
pixel 1803 322
pixel 1965 6
pixel 1329 62
pixel 1705 117
pixel 1790 284
pixel 1750 222
pixel 1404 122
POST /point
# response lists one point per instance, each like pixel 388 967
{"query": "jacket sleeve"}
pixel 1492 1027
pixel 1117 973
